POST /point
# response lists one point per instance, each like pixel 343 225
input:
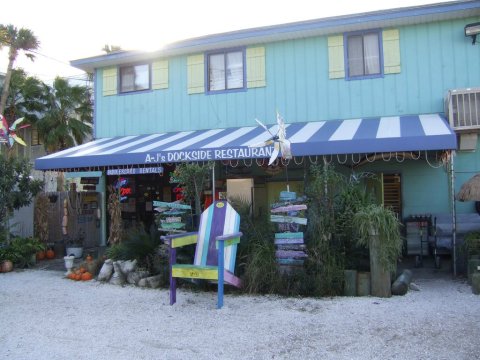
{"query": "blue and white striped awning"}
pixel 353 136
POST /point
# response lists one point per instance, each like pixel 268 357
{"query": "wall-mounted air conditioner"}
pixel 462 107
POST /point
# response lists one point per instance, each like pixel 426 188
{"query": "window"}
pixel 363 57
pixel 225 70
pixel 135 78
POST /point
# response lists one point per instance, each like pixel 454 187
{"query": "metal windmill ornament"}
pixel 281 145
pixel 8 133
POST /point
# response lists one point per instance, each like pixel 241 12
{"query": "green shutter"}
pixel 160 74
pixel 336 63
pixel 196 74
pixel 256 67
pixel 110 81
pixel 391 51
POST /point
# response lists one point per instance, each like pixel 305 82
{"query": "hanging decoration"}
pixel 8 133
pixel 279 140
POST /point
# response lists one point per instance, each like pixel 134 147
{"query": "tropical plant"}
pixel 17 40
pixel 257 265
pixel 192 179
pixel 17 188
pixel 40 216
pixel 21 251
pixel 140 246
pixel 472 243
pixel 378 229
pixel 26 98
pixel 67 120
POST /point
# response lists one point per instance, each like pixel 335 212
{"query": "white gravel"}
pixel 44 316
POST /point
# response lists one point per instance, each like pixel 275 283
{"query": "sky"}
pixel 70 30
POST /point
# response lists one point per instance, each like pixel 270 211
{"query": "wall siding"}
pixel 435 57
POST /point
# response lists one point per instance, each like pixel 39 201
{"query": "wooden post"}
pixel 380 279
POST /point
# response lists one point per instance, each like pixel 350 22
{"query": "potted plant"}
pixel 74 245
pixel 6 261
pixel 471 246
pixel 379 229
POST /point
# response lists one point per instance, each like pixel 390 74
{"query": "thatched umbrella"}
pixel 470 190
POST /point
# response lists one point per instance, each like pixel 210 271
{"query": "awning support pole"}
pixel 454 213
pixel 213 181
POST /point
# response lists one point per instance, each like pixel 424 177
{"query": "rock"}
pixel 414 287
pixel 128 266
pixel 118 277
pixel 152 282
pixel 135 276
pixel 106 271
pixel 401 285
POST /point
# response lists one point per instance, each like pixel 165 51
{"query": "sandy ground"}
pixel 44 316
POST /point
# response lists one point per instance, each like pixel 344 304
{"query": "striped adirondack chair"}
pixel 216 240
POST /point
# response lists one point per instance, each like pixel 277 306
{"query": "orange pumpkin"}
pixel 71 276
pixel 82 270
pixel 50 254
pixel 40 255
pixel 87 276
pixel 78 277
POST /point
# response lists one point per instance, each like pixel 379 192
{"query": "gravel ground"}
pixel 44 316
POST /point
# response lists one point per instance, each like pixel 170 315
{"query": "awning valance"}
pixel 353 136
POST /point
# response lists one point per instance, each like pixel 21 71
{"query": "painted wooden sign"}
pixel 288 219
pixel 171 205
pixel 289 208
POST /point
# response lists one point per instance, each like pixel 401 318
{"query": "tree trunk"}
pixel 380 279
pixel 6 84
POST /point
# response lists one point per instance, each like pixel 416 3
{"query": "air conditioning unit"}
pixel 462 107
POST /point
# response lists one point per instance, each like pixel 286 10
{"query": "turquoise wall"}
pixel 435 57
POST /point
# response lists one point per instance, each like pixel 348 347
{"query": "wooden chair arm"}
pixel 230 239
pixel 179 240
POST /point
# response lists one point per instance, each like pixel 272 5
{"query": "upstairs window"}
pixel 363 56
pixel 225 70
pixel 134 78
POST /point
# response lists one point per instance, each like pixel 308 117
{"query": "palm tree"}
pixel 26 98
pixel 67 120
pixel 16 40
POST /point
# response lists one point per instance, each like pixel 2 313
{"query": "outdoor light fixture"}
pixel 472 30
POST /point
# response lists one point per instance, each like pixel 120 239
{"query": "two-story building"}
pixel 382 92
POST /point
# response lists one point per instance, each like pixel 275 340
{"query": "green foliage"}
pixel 21 250
pixel 256 251
pixel 17 188
pixel 472 243
pixel 140 246
pixel 192 178
pixel 67 119
pixel 373 219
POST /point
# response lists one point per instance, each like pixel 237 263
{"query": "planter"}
pixel 6 266
pixel 68 264
pixel 76 251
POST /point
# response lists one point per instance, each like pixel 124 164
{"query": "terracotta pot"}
pixel 40 255
pixel 50 254
pixel 6 266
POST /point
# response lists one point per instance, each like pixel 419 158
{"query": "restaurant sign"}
pixel 136 171
pixel 209 154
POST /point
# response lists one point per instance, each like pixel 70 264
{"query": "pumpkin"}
pixel 87 276
pixel 50 254
pixel 78 277
pixel 40 255
pixel 82 269
pixel 71 276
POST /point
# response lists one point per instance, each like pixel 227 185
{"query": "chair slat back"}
pixel 220 218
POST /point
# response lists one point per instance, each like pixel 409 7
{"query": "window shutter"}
pixel 110 81
pixel 256 67
pixel 160 74
pixel 336 62
pixel 196 74
pixel 391 51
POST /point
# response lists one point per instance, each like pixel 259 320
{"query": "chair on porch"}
pixel 216 240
